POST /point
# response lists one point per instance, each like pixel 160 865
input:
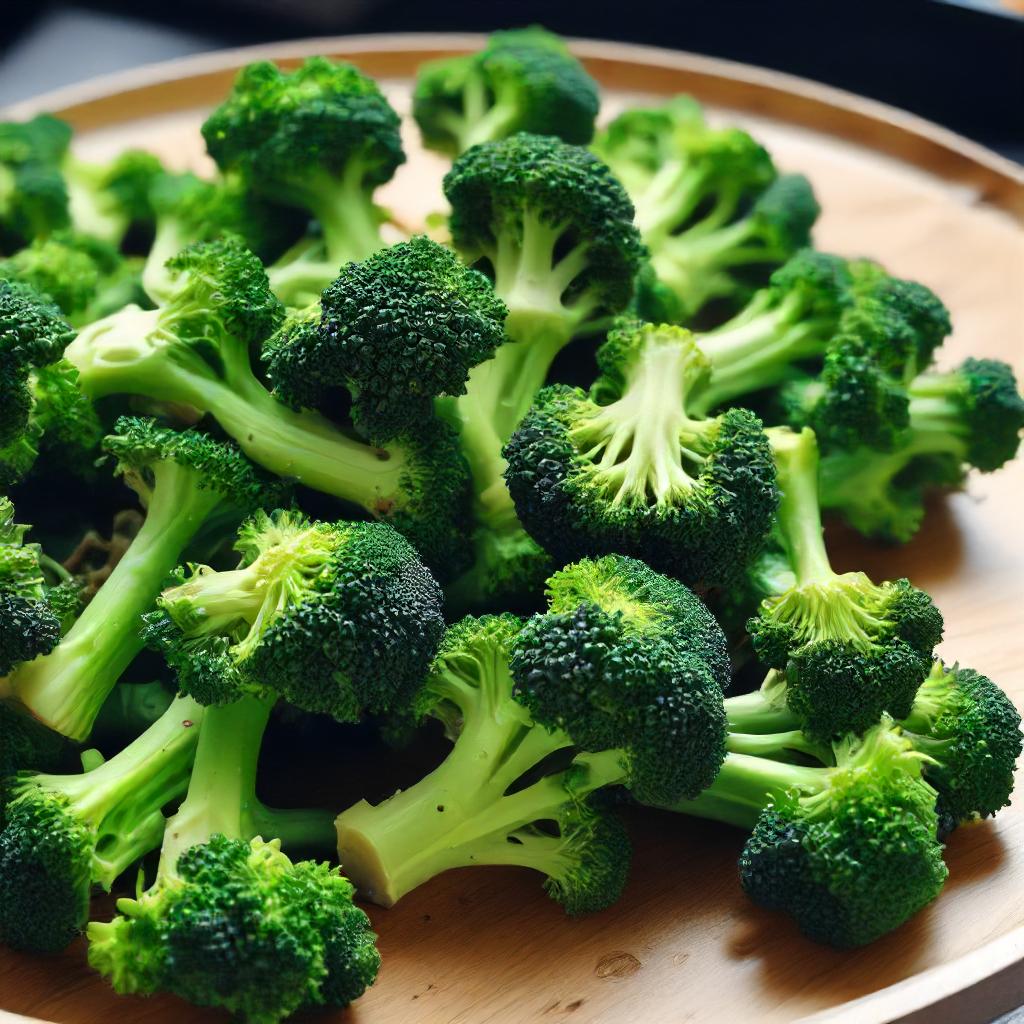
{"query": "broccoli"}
pixel 542 715
pixel 970 731
pixel 25 745
pixel 708 203
pixel 849 648
pixel 849 850
pixel 524 80
pixel 33 194
pixel 195 351
pixel 552 227
pixel 62 834
pixel 631 468
pixel 185 480
pixel 321 138
pixel 968 417
pixel 231 921
pixel 337 618
pixel 188 209
pixel 397 329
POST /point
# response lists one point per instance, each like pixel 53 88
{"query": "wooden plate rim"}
pixel 992 976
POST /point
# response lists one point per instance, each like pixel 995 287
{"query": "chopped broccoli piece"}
pixel 632 468
pixel 231 921
pixel 524 80
pixel 62 834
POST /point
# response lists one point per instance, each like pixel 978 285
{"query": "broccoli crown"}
pixel 970 731
pixel 127 179
pixel 395 330
pixel 501 191
pixel 651 606
pixel 785 212
pixel 859 857
pixel 524 80
pixel 220 289
pixel 585 482
pixel 69 424
pixel 33 195
pixel 32 333
pixel 660 708
pixel 45 869
pixel 282 129
pixel 206 934
pixel 140 445
pixel 819 281
pixel 339 618
pixel 850 649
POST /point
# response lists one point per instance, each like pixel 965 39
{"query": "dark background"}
pixel 958 63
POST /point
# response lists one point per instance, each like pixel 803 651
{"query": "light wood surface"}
pixel 486 945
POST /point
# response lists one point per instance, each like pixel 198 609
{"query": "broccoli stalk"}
pixel 849 850
pixel 183 480
pixel 968 417
pixel 63 834
pixel 230 920
pixel 850 649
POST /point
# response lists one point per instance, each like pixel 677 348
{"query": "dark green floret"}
pixel 394 331
pixel 337 618
pixel 968 417
pixel 523 80
pixel 185 480
pixel 632 467
pixel 230 921
pixel 320 138
pixel 543 715
pixel 850 649
pixel 970 731
pixel 850 850
pixel 63 834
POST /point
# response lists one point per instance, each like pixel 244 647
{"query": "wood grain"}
pixel 486 946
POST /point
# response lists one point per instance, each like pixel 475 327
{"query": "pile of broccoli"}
pixel 537 490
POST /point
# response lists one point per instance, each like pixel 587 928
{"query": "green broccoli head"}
pixel 524 80
pixel 220 289
pixel 651 606
pixel 401 327
pixel 970 731
pixel 856 857
pixel 33 194
pixel 304 137
pixel 631 468
pixel 552 226
pixel 658 708
pixel 183 936
pixel 338 618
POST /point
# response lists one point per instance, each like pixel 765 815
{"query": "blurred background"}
pixel 957 62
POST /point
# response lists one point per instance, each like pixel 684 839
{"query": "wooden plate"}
pixel 683 944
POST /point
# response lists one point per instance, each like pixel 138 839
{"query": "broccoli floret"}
pixel 968 417
pixel 62 834
pixel 849 850
pixel 196 351
pixel 542 715
pixel 970 731
pixel 188 209
pixel 337 618
pixel 632 468
pixel 231 921
pixel 185 480
pixel 105 200
pixel 33 194
pixel 849 649
pixel 321 138
pixel 708 203
pixel 524 80
pixel 394 331
pixel 552 227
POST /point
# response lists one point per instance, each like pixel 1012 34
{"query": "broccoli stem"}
pixel 66 688
pixel 673 193
pixel 136 352
pixel 757 712
pixel 169 239
pixel 123 798
pixel 759 346
pixel 89 207
pixel 483 117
